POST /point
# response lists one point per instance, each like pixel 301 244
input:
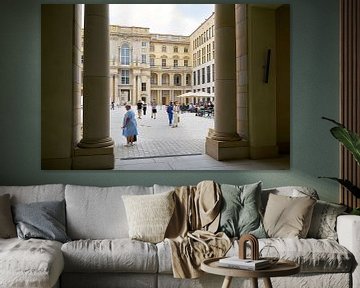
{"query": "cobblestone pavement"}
pixel 157 139
pixel 160 147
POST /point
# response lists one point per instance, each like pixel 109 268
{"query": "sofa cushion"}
pixel 35 193
pixel 43 220
pixel 98 212
pixel 313 255
pixel 7 226
pixel 117 255
pixel 323 222
pixel 149 215
pixel 287 216
pixel 291 191
pixel 30 263
pixel 240 210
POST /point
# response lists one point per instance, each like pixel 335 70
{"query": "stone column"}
pixel 96 126
pixel 223 141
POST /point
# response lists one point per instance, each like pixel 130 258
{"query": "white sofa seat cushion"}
pixel 30 263
pixel 98 212
pixel 313 255
pixel 116 255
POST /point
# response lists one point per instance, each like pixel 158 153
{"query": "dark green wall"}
pixel 314 93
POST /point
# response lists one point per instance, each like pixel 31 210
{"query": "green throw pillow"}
pixel 240 212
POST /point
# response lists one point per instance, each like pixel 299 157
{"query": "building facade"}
pixel 203 55
pixel 147 67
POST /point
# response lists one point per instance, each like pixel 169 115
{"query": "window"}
pixel 177 80
pixel 143 86
pixel 208 74
pixel 125 54
pixel 165 79
pixel 176 63
pixel 213 72
pixel 203 75
pixel 163 62
pixel 203 55
pixel 188 79
pixel 152 61
pixel 153 79
pixel 208 90
pixel 163 48
pixel 143 44
pixel 194 77
pixel 143 58
pixel 186 63
pixel 152 48
pixel 176 49
pixel 125 77
pixel 198 77
pixel 186 49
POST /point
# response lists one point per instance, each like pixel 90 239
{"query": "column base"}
pixel 226 150
pixel 264 152
pixel 98 143
pixel 93 158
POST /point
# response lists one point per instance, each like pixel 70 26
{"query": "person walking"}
pixel 144 108
pixel 176 110
pixel 129 126
pixel 170 110
pixel 139 108
pixel 153 109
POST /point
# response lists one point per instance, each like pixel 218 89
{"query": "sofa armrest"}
pixel 348 230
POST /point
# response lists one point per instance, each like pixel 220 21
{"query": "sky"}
pixel 179 19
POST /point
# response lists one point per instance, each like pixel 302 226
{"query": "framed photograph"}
pixel 165 86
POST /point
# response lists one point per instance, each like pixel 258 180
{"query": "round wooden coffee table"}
pixel 281 268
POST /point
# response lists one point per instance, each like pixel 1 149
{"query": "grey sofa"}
pixel 101 254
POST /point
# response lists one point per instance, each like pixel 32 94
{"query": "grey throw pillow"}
pixel 44 220
pixel 240 212
pixel 323 222
pixel 7 226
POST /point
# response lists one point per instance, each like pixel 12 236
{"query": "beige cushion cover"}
pixel 287 217
pixel 149 215
pixel 7 226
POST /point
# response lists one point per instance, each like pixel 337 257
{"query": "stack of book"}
pixel 236 262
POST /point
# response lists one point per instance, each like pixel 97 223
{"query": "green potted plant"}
pixel 351 141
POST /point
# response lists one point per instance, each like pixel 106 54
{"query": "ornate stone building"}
pixel 147 66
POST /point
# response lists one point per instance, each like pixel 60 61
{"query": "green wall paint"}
pixel 314 93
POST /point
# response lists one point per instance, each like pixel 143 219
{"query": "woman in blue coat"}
pixel 129 126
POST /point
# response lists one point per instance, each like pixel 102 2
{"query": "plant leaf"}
pixel 347 184
pixel 349 139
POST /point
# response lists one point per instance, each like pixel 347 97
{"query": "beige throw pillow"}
pixel 7 226
pixel 149 215
pixel 288 217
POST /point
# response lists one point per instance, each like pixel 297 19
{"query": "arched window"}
pixel 177 79
pixel 125 54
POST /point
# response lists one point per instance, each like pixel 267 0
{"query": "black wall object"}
pixel 267 66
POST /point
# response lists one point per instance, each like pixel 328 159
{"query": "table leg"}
pixel 254 282
pixel 267 283
pixel 227 282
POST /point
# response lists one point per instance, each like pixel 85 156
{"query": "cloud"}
pixel 180 19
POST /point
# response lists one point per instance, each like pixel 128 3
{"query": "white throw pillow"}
pixel 149 215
